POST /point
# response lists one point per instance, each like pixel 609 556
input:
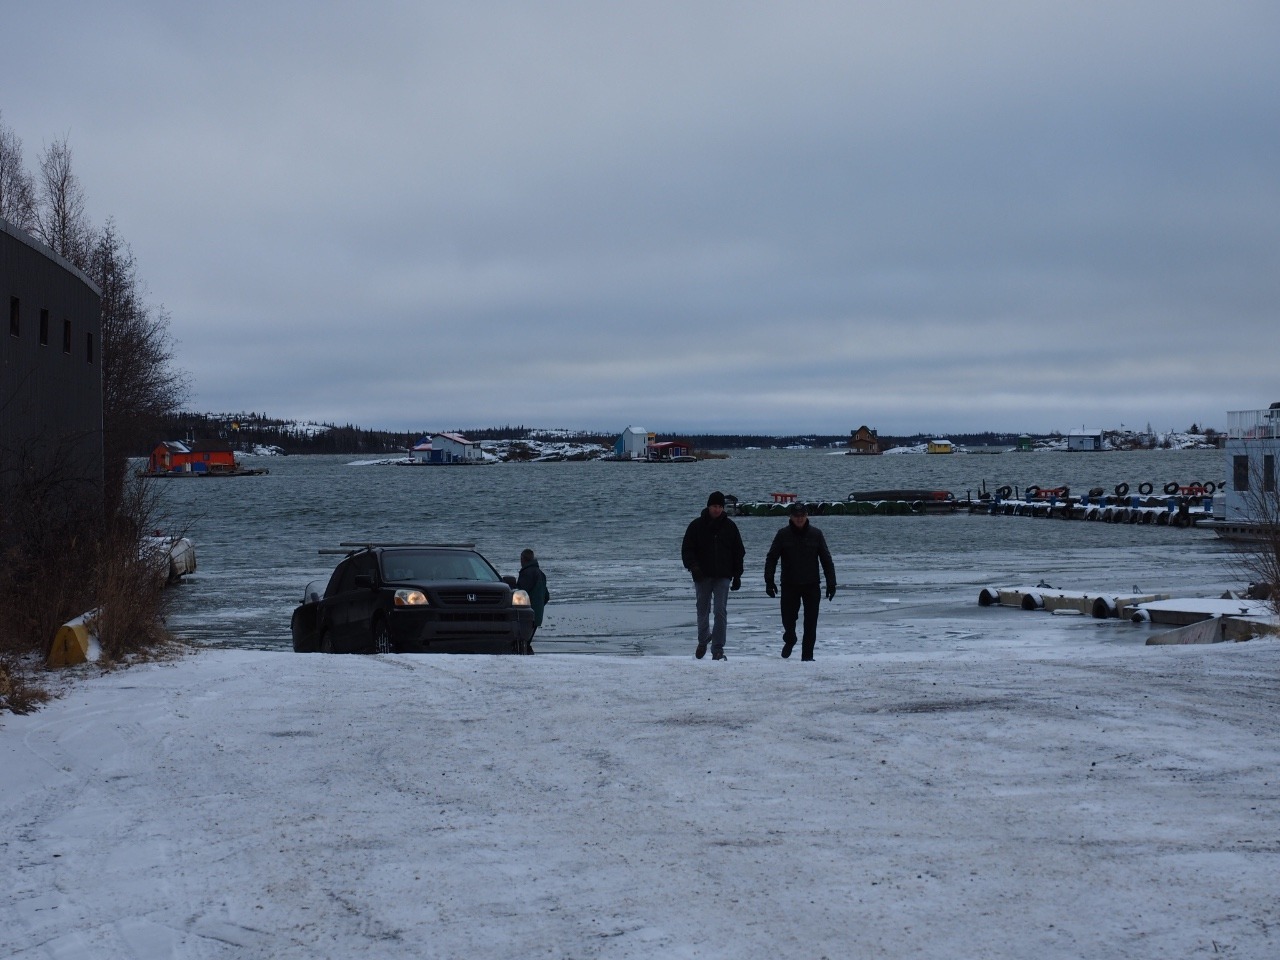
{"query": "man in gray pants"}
pixel 712 552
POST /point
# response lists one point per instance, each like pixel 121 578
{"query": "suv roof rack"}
pixel 349 547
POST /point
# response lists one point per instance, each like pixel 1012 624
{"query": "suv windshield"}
pixel 419 566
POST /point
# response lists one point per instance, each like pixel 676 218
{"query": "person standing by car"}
pixel 801 548
pixel 712 552
pixel 533 582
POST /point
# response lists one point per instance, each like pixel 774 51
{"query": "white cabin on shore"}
pixel 1084 440
pixel 633 444
pixel 1252 448
pixel 454 448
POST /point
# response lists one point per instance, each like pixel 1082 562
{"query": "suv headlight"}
pixel 520 599
pixel 410 598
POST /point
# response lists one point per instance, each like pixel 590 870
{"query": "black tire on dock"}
pixel 1104 608
pixel 1171 487
pixel 988 597
pixel 1122 489
pixel 1032 492
pixel 1032 601
pixel 1005 492
pixel 1210 488
pixel 1145 488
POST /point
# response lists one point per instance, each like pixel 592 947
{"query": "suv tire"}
pixel 382 637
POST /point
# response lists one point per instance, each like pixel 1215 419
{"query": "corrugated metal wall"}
pixel 50 396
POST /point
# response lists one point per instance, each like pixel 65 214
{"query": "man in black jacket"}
pixel 801 548
pixel 712 552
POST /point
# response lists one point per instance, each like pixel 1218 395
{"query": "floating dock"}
pixel 1101 606
pixel 1193 619
pixel 1165 511
pixel 1178 506
pixel 883 503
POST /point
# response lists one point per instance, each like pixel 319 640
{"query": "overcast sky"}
pixel 687 216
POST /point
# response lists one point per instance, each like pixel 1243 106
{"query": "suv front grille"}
pixel 470 598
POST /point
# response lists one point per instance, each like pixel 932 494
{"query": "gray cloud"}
pixel 696 216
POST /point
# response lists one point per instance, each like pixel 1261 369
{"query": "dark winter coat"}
pixel 534 582
pixel 712 548
pixel 801 550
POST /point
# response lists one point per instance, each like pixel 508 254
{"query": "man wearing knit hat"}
pixel 712 552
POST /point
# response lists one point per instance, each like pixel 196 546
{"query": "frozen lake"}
pixel 608 537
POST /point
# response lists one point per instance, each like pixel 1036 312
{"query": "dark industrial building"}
pixel 50 367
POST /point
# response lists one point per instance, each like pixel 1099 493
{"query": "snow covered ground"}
pixel 1018 801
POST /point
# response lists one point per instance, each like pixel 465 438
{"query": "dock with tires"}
pixel 1100 606
pixel 1177 506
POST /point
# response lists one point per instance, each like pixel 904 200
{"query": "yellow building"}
pixel 940 446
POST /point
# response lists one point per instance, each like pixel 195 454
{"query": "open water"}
pixel 608 537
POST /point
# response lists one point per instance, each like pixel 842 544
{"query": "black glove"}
pixel 831 591
pixel 771 589
pixel 737 584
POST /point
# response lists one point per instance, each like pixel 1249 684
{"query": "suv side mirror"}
pixel 364 580
pixel 509 581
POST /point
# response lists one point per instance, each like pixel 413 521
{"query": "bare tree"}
pixel 140 385
pixel 17 189
pixel 61 223
pixel 61 552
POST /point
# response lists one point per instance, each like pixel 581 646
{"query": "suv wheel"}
pixel 381 637
pixel 326 642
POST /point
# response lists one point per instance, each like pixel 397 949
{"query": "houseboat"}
pixel 195 458
pixel 670 451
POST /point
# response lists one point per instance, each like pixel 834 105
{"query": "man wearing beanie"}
pixel 712 552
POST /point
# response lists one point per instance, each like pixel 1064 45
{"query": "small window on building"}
pixel 1269 473
pixel 15 326
pixel 1240 472
pixel 66 336
pixel 88 347
pixel 44 328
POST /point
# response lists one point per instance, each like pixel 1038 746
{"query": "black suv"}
pixel 413 598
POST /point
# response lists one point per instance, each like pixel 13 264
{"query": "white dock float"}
pixel 1189 610
pixel 174 557
pixel 1098 605
pixel 1215 630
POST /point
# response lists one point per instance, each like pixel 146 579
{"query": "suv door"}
pixel 348 606
pixel 363 601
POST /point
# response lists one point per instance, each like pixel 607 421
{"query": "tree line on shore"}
pixel 245 431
